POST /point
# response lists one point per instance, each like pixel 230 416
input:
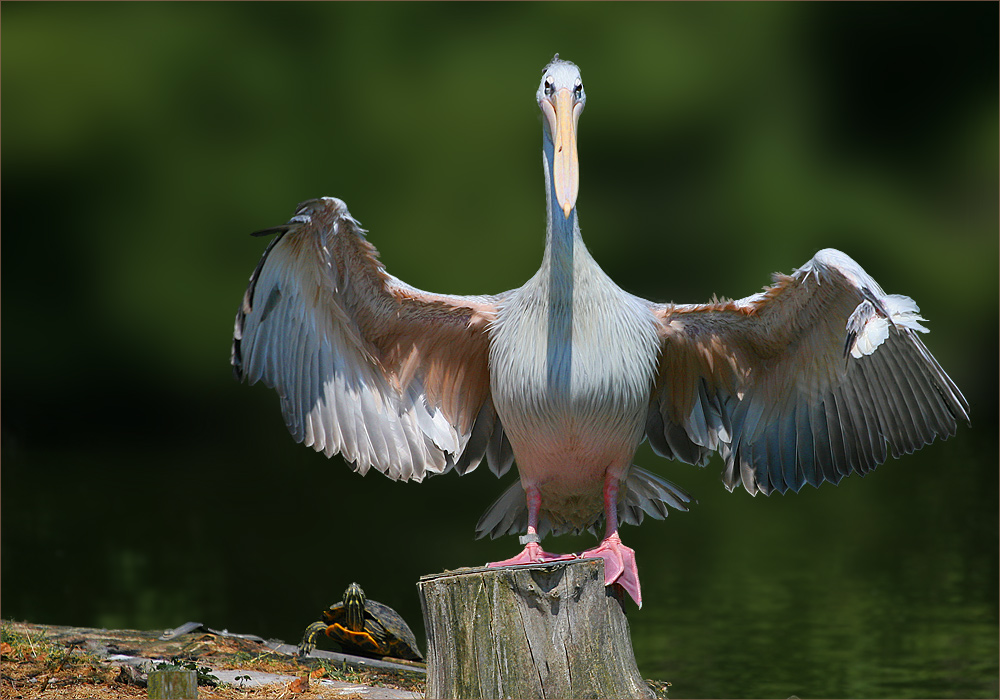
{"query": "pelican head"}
pixel 561 99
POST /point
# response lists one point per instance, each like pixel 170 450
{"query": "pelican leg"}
pixel 619 560
pixel 532 552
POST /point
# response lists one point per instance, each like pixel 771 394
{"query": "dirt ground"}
pixel 63 662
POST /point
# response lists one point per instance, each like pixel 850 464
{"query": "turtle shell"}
pixel 390 631
pixel 364 627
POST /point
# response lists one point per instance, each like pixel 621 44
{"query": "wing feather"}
pixel 844 427
pixel 819 376
pixel 907 414
pixel 386 375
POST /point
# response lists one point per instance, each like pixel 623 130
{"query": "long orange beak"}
pixel 562 115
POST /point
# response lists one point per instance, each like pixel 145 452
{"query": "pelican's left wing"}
pixel 805 382
pixel 388 376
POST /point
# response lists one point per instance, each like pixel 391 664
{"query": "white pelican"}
pixel 819 376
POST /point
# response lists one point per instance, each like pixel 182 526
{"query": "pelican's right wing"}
pixel 388 376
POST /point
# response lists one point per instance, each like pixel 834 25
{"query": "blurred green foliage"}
pixel 721 142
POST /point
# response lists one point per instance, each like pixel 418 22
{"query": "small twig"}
pixel 66 655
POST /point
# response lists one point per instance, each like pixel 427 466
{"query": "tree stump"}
pixel 172 684
pixel 549 630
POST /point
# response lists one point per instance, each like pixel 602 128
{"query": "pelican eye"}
pixel 549 86
pixel 578 89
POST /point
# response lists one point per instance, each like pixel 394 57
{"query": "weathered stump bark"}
pixel 173 684
pixel 538 631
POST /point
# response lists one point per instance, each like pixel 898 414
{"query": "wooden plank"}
pixel 549 630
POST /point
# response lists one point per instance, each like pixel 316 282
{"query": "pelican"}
pixel 820 375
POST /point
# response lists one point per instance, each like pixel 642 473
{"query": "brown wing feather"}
pixel 387 375
pixel 805 382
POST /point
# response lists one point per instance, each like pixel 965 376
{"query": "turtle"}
pixel 364 627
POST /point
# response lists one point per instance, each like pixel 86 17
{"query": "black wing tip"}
pixel 236 360
pixel 270 231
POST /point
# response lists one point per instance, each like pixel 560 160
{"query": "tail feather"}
pixel 648 493
pixel 507 516
pixel 644 494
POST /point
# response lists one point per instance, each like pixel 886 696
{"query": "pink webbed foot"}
pixel 619 565
pixel 531 554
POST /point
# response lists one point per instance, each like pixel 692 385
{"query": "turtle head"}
pixel 354 608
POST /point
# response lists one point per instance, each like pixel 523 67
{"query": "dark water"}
pixel 882 587
pixel 823 634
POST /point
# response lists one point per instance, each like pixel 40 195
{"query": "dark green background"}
pixel 141 144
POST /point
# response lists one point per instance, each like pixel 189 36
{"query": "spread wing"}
pixel 389 376
pixel 808 381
